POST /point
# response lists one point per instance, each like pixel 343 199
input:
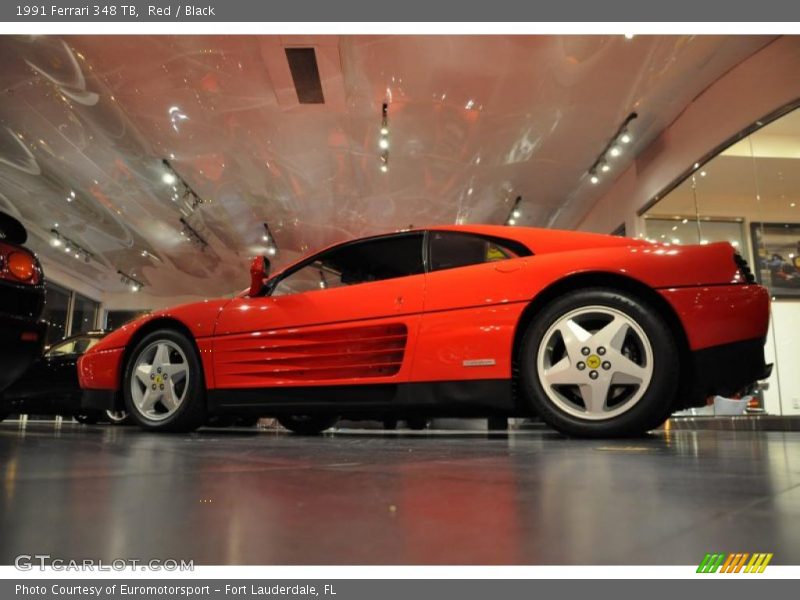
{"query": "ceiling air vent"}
pixel 303 65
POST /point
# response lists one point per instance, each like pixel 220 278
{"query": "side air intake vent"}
pixel 305 73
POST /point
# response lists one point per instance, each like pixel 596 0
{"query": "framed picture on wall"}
pixel 776 249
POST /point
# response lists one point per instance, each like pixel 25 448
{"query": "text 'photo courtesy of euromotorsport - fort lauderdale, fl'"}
pixel 353 299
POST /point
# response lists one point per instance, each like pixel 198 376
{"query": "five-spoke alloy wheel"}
pixel 599 362
pixel 163 383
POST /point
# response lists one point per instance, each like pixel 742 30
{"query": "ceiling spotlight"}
pixel 384 131
pixel 625 138
pixel 134 287
pixel 629 36
pixel 69 198
pixel 68 249
pixel 72 193
pixel 169 178
pixel 594 179
pixel 383 143
pixel 272 251
pixel 702 173
pixel 615 151
pixel 55 242
pixel 605 167
pixel 515 214
pixel 77 255
pixel 384 168
pixel 512 221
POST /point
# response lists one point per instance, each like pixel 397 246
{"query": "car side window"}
pixel 451 249
pixel 360 262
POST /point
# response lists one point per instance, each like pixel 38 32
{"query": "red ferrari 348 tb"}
pixel 598 335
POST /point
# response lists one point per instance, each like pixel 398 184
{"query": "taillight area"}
pixel 18 265
pixel 744 268
pixel 21 265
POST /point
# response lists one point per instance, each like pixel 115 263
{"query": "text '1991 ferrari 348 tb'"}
pixel 598 335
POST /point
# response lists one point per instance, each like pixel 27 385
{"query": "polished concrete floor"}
pixel 360 497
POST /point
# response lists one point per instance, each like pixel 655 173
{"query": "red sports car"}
pixel 599 335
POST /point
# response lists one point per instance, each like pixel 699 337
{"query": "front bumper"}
pixel 21 341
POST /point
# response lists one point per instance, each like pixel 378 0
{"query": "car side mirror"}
pixel 259 271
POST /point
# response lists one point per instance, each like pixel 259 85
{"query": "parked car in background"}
pixel 22 332
pixel 50 384
pixel 598 335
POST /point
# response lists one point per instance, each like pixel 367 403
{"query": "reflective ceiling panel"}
pixel 87 122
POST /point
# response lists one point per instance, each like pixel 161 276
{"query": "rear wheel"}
pixel 307 424
pixel 599 363
pixel 163 383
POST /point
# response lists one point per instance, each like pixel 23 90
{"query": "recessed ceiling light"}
pixel 169 178
pixel 384 131
pixel 383 143
pixel 594 179
pixel 605 167
pixel 625 138
pixel 615 151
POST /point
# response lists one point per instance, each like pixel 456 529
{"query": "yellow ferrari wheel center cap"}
pixel 593 361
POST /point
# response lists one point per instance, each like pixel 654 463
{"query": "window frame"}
pixel 515 246
pixel 520 249
pixel 275 281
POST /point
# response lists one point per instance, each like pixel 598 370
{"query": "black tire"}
pixel 247 421
pixel 191 412
pixel 655 404
pixel 307 424
pixel 86 418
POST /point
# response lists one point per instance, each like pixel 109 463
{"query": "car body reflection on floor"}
pixel 255 496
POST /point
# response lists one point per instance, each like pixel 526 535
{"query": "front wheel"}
pixel 163 383
pixel 307 424
pixel 599 363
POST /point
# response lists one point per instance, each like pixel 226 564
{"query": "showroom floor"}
pixel 264 497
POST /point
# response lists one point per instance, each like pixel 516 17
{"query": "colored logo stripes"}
pixel 735 563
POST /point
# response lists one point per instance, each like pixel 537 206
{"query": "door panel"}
pixel 470 316
pixel 341 335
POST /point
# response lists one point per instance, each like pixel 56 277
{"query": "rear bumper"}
pixel 21 341
pixel 728 369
